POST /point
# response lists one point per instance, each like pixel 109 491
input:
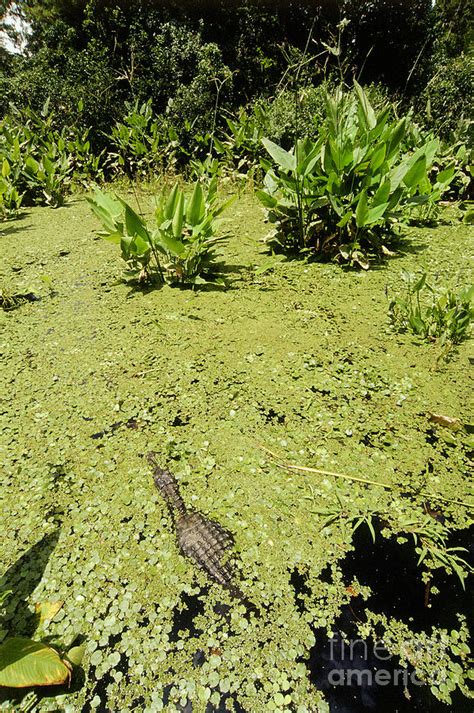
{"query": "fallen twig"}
pixel 344 476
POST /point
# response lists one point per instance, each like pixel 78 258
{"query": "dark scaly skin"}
pixel 204 541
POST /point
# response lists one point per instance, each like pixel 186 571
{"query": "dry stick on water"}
pixel 344 476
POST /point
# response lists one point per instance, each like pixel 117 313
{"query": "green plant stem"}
pixel 157 260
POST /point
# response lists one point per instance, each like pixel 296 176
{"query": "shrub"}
pixel 39 162
pixel 10 199
pixel 447 99
pixel 432 314
pixel 240 147
pixel 179 250
pixel 342 194
pixel 136 141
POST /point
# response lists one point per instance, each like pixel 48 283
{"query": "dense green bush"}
pixel 448 99
pixel 135 141
pixel 340 196
pixel 39 162
pixel 70 77
pixel 293 114
pixel 180 249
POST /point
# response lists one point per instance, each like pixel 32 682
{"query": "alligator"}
pixel 202 540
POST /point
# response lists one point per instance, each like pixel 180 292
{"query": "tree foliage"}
pixel 178 53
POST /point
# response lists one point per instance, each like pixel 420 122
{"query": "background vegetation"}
pixel 176 54
pixel 351 123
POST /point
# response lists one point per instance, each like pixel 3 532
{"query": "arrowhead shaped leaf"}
pixel 171 202
pixel 415 173
pixel 134 224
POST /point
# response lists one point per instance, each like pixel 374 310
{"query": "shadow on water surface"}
pixel 7 230
pixel 344 667
pixel 22 578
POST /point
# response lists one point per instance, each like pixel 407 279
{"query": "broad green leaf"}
pixel 396 136
pixel 362 211
pixel 376 213
pixel 306 166
pixel 283 158
pixel 267 200
pixel 381 121
pixel 445 177
pixel 397 174
pixel 107 202
pixel 326 159
pixel 178 217
pixel 365 105
pixel 415 173
pixel 140 246
pixel 31 164
pixel 345 219
pixel 6 170
pixel 382 193
pixel 125 243
pixel 169 244
pixel 48 165
pixel 25 663
pixel 337 207
pixel 219 146
pixel 171 202
pixel 378 157
pixel 106 218
pixel 112 237
pixel 134 224
pixel 336 154
pixel 430 149
pixel 212 190
pixel 196 206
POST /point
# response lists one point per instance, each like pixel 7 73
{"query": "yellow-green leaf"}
pixel 46 611
pixel 24 663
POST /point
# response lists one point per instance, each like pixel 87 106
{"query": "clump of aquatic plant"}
pixel 136 141
pixel 10 300
pixel 40 162
pixel 10 198
pixel 342 195
pixel 433 314
pixel 440 658
pixel 179 248
pixel 240 146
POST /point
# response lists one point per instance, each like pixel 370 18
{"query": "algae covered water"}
pixel 299 359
